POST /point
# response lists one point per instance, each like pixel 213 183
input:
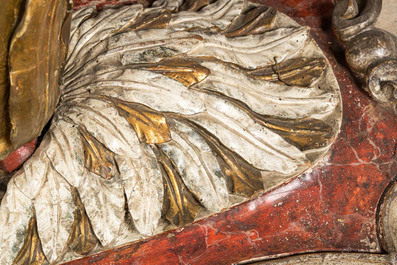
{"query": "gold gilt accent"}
pixel 241 177
pixel 305 134
pixel 153 20
pixel 149 124
pixel 82 239
pixel 9 15
pixel 194 5
pixel 36 55
pixel 187 72
pixel 31 252
pixel 97 158
pixel 255 21
pixel 293 72
pixel 180 206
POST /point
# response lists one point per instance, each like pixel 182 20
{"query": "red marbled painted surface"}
pixel 333 207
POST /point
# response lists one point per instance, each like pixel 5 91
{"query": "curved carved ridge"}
pixel 31 251
pixel 82 239
pixel 164 116
pixel 180 205
pixel 97 158
pixel 294 72
pixel 371 53
pixel 241 177
pixel 304 133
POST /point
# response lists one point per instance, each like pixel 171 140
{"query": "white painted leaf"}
pixel 143 185
pixel 31 177
pixel 103 122
pixel 254 50
pixel 151 89
pixel 54 207
pixel 260 146
pixel 100 27
pixel 219 14
pixel 65 151
pixel 131 47
pixel 104 203
pixel 78 16
pixel 198 167
pixel 152 45
pixel 266 97
pixel 15 213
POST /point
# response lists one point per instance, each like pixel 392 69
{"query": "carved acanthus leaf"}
pixel 97 158
pixel 198 166
pixel 82 239
pixel 143 188
pixel 31 251
pixel 266 98
pixel 307 133
pixel 241 177
pixel 152 20
pixel 293 72
pixel 188 72
pixel 166 118
pixel 180 207
pixel 254 21
pixel 272 155
pixel 149 125
pixel 53 207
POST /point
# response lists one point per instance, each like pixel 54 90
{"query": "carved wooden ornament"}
pixel 168 114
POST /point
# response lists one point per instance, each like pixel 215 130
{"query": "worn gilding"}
pixel 305 134
pixel 35 59
pixel 82 239
pixel 188 72
pixel 97 158
pixel 194 5
pixel 8 19
pixel 254 21
pixel 149 125
pixel 241 177
pixel 31 252
pixel 294 72
pixel 152 21
pixel 180 206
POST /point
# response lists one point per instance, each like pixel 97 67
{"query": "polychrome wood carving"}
pixel 166 114
pixel 371 53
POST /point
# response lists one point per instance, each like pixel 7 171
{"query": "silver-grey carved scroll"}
pixel 371 53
